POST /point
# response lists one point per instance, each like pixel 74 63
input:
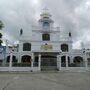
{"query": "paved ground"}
pixel 45 81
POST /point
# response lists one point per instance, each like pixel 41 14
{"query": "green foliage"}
pixel 1 42
pixel 1 24
pixel 0 35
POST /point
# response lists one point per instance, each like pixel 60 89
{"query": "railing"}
pixel 21 64
pixel 65 38
pixel 27 67
pixel 15 64
pixel 36 28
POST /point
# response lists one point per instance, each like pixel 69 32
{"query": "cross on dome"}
pixel 45 13
pixel 45 10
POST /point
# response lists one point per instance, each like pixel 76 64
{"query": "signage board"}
pixel 46 47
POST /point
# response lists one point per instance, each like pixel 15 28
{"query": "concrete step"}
pixel 48 68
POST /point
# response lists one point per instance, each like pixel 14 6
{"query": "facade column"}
pixel 71 59
pixel 10 61
pixel 32 60
pixel 86 62
pixel 66 62
pixel 59 62
pixel 19 59
pixel 39 62
pixel 7 49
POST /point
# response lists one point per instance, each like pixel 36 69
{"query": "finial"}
pixel 70 34
pixel 45 13
pixel 45 9
pixel 21 31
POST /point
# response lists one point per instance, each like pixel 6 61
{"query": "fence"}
pixel 28 67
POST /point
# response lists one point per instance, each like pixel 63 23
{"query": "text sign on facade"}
pixel 46 47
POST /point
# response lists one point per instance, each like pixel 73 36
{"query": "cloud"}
pixel 70 15
pixel 17 14
pixel 73 15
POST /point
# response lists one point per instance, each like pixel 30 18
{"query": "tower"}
pixel 46 23
pixel 45 20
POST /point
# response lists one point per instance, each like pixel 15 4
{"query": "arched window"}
pixel 45 24
pixel 13 59
pixel 78 59
pixel 64 48
pixel 45 37
pixel 26 47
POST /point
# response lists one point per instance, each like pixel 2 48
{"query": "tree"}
pixel 0 35
pixel 1 26
pixel 0 42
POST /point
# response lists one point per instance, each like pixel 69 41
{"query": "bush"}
pixel 1 42
pixel 0 35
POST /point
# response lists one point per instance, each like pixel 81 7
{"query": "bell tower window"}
pixel 64 48
pixel 45 24
pixel 45 37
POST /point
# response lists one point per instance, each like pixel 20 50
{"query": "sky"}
pixel 69 15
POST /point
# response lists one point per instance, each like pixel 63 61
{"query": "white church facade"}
pixel 47 50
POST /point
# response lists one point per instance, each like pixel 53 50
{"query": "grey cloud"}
pixel 64 14
pixel 18 14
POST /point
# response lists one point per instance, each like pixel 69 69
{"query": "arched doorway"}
pixel 26 60
pixel 88 59
pixel 14 60
pixel 36 61
pixel 78 61
pixel 63 61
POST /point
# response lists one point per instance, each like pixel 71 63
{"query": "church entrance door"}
pixel 48 62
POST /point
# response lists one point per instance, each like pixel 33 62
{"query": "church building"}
pixel 47 49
